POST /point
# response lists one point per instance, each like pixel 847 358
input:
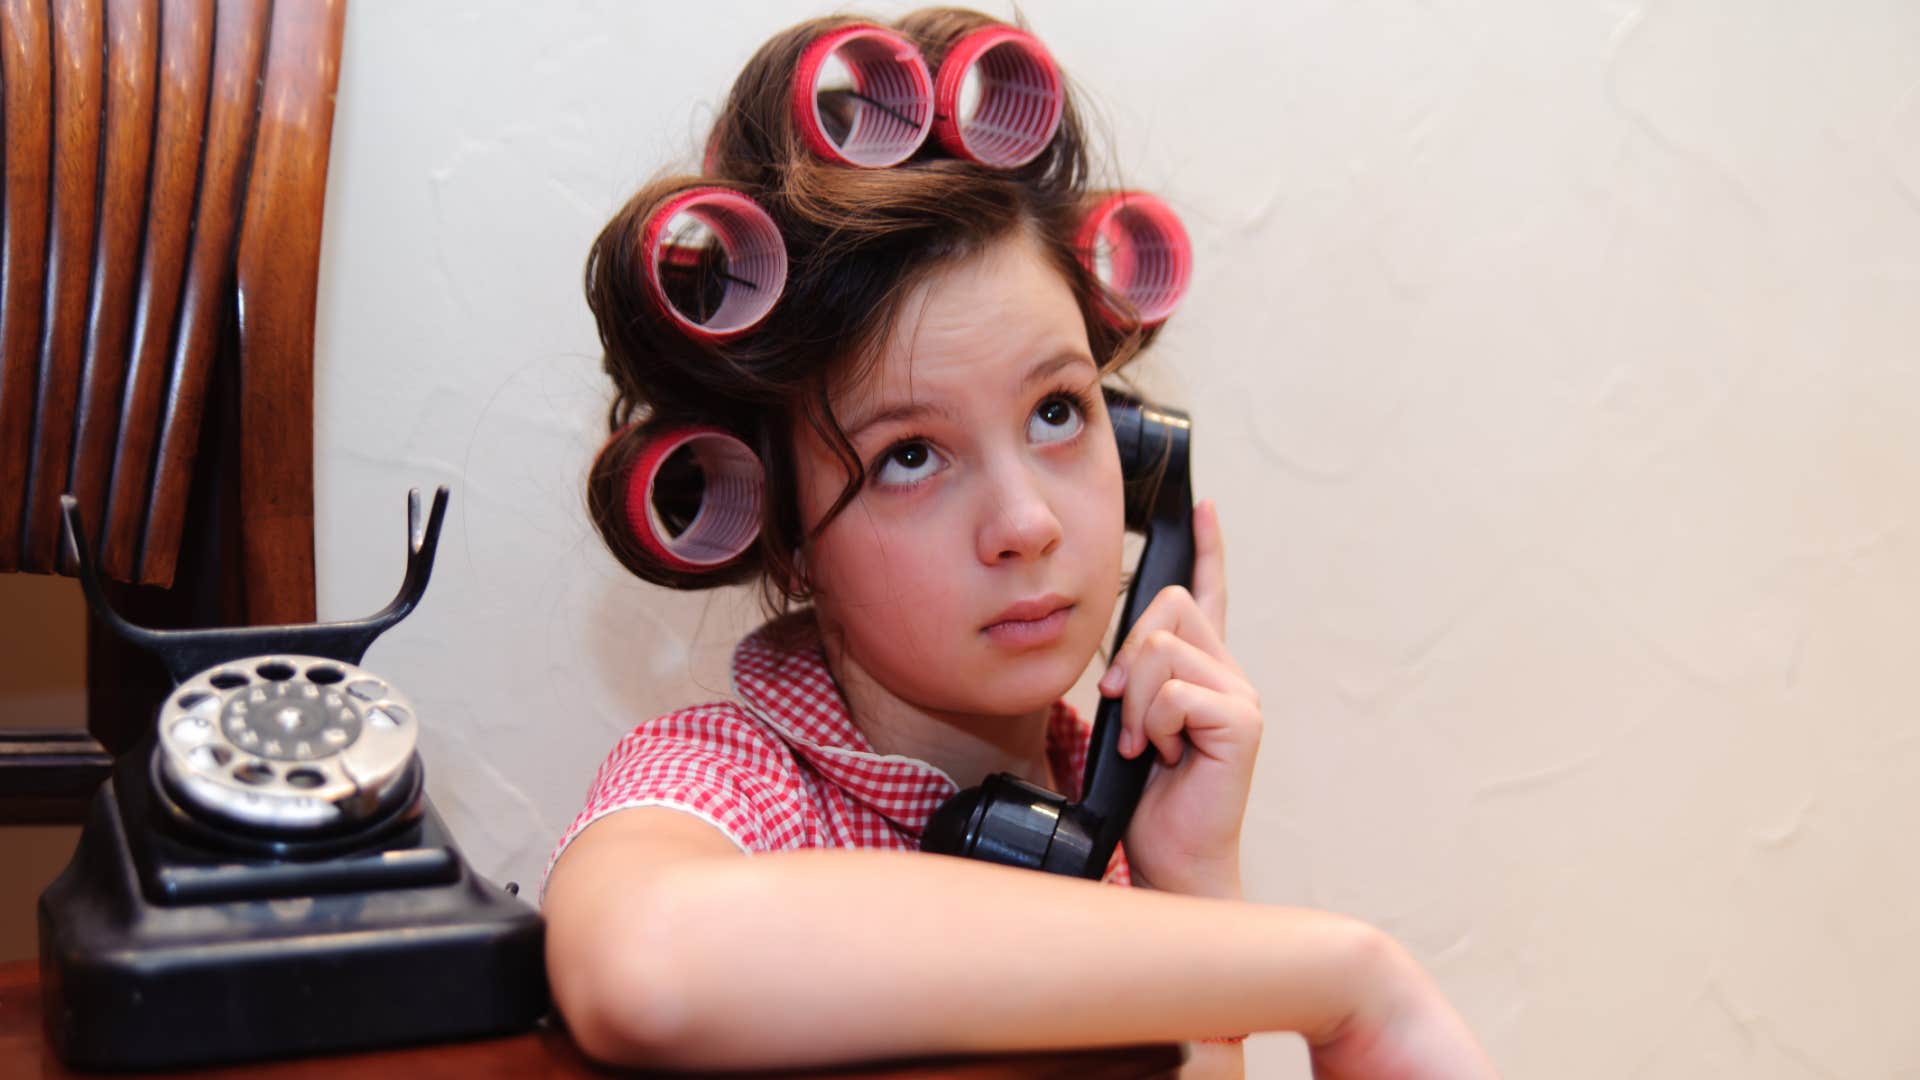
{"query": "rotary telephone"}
pixel 263 875
pixel 1010 821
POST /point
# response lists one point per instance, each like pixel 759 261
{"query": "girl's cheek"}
pixel 875 561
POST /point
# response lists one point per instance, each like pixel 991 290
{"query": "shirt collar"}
pixel 780 674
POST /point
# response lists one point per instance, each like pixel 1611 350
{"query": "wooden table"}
pixel 546 1052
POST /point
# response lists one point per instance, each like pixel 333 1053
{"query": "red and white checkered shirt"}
pixel 783 766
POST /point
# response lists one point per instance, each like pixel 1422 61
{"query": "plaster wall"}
pixel 1553 364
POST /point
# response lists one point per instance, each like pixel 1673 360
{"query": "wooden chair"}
pixel 159 254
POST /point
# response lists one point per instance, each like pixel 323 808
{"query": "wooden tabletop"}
pixel 546 1052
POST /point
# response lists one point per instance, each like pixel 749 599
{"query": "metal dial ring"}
pixel 286 741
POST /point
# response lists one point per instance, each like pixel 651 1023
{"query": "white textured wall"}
pixel 1555 364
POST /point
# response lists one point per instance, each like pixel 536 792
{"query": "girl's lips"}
pixel 1026 633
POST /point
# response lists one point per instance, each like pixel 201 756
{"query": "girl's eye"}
pixel 1056 419
pixel 907 463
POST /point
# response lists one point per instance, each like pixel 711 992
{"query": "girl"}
pixel 941 527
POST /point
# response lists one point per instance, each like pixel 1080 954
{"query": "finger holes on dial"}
pixel 275 671
pixel 693 498
pixel 208 757
pixel 715 262
pixel 367 689
pixel 863 96
pixel 1135 245
pixel 306 778
pixel 228 680
pixel 999 98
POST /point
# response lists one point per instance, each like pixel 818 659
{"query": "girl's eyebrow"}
pixel 911 410
pixel 1044 370
pixel 915 410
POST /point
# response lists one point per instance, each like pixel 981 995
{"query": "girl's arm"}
pixel 665 947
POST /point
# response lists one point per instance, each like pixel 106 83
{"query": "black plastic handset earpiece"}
pixel 1007 820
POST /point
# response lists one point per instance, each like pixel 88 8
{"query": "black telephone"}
pixel 1007 820
pixel 263 876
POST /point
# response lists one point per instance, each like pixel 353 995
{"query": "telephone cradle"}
pixel 264 875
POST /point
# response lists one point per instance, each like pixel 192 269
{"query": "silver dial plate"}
pixel 286 741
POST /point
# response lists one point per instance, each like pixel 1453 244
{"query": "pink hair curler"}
pixel 715 262
pixel 1135 245
pixel 726 517
pixel 999 98
pixel 876 92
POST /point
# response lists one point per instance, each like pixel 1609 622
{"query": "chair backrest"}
pixel 165 173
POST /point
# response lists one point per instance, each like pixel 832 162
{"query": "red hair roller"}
pixel 1008 111
pixel 728 518
pixel 708 301
pixel 1135 245
pixel 890 97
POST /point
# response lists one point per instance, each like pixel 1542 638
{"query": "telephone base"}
pixel 277 961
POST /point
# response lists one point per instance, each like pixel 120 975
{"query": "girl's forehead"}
pixel 983 322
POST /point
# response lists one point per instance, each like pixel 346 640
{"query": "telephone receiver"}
pixel 1010 821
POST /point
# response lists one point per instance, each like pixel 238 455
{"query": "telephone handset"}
pixel 1007 820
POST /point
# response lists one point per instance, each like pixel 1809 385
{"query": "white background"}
pixel 1554 364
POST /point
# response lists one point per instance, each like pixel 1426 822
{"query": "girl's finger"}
pixel 1210 565
pixel 1165 718
pixel 1184 714
pixel 1164 657
pixel 1174 610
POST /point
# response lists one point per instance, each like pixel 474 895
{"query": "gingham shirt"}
pixel 782 766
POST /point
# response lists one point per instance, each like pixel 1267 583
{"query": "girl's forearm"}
pixel 830 956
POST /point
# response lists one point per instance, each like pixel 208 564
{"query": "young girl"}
pixel 941 524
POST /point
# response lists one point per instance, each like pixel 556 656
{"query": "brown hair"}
pixel 858 241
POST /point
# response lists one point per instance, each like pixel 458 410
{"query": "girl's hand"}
pixel 1184 699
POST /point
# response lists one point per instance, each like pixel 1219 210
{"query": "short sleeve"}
pixel 711 761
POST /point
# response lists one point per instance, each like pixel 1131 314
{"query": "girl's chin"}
pixel 986 681
pixel 1016 693
pixel 1017 709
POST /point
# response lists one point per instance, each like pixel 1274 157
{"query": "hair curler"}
pixel 714 262
pixel 695 511
pixel 862 96
pixel 998 98
pixel 1135 245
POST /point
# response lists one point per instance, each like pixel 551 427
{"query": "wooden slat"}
pixel 77 49
pixel 278 277
pixel 186 62
pixel 133 48
pixel 233 112
pixel 49 776
pixel 25 78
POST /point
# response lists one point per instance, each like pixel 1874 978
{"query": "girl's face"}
pixel 976 569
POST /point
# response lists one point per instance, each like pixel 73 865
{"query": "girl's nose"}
pixel 1017 520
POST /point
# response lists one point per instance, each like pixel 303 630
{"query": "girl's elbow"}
pixel 613 982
